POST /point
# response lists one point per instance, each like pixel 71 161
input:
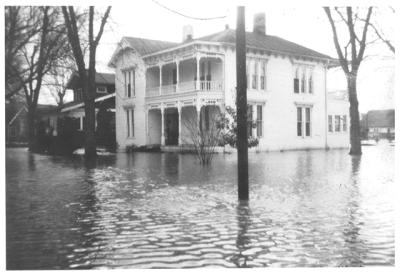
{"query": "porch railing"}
pixel 185 87
pixel 168 89
pixel 211 85
pixel 154 91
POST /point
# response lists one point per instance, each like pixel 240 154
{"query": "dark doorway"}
pixel 171 127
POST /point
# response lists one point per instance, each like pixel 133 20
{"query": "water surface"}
pixel 152 210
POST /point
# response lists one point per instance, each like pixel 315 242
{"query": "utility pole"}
pixel 241 105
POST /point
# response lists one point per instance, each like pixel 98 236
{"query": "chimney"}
pixel 259 23
pixel 187 33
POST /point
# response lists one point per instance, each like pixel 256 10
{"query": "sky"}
pixel 306 25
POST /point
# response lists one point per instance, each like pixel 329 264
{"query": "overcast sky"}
pixel 305 25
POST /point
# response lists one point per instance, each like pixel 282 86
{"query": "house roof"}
pixel 253 40
pixel 265 42
pixel 100 78
pixel 380 118
pixel 148 46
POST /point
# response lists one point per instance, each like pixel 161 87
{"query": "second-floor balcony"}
pixel 190 75
pixel 189 86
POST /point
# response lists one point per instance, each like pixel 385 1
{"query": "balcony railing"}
pixel 185 87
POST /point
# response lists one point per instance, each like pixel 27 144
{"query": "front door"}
pixel 171 128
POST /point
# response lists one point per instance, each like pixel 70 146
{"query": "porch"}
pixel 177 125
pixel 198 73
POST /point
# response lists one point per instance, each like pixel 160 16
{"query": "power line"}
pixel 188 16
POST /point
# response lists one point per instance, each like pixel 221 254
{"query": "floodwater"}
pixel 155 210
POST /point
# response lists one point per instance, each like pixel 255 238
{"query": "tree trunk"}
pixel 90 121
pixel 31 129
pixel 355 140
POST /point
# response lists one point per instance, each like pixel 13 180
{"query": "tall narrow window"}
pixel 259 121
pixel 310 84
pixel 299 122
pixel 303 83
pixel 133 83
pixel 130 123
pixel 337 123
pixel 296 82
pixel 263 77
pixel 129 78
pixel 308 121
pixel 255 76
pixel 129 84
pixel 344 123
pixel 330 123
pixel 249 120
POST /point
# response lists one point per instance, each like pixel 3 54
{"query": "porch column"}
pixel 146 121
pixel 177 75
pixel 253 119
pixel 179 125
pixel 162 127
pixel 160 68
pixel 198 108
pixel 197 71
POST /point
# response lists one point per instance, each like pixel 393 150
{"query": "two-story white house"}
pixel 160 86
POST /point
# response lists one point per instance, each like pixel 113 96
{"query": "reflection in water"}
pixel 351 231
pixel 151 210
pixel 31 162
pixel 243 240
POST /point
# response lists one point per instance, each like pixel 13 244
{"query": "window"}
pixel 78 95
pixel 308 121
pixel 263 77
pixel 337 123
pixel 303 83
pixel 299 122
pixel 344 123
pixel 101 89
pixel 296 82
pixel 254 84
pixel 130 123
pixel 249 120
pixel 330 123
pixel 304 121
pixel 129 78
pixel 259 121
pixel 310 84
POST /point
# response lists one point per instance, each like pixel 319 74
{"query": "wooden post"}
pixel 241 105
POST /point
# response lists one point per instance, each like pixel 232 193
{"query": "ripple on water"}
pixel 140 210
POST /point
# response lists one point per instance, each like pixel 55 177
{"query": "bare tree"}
pixel 350 56
pixel 38 43
pixel 57 82
pixel 379 31
pixel 86 76
pixel 204 141
pixel 21 26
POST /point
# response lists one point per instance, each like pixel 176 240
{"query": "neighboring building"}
pixel 338 119
pixel 160 86
pixel 378 124
pixel 105 96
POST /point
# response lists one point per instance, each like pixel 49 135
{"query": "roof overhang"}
pixel 79 105
pixel 121 46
